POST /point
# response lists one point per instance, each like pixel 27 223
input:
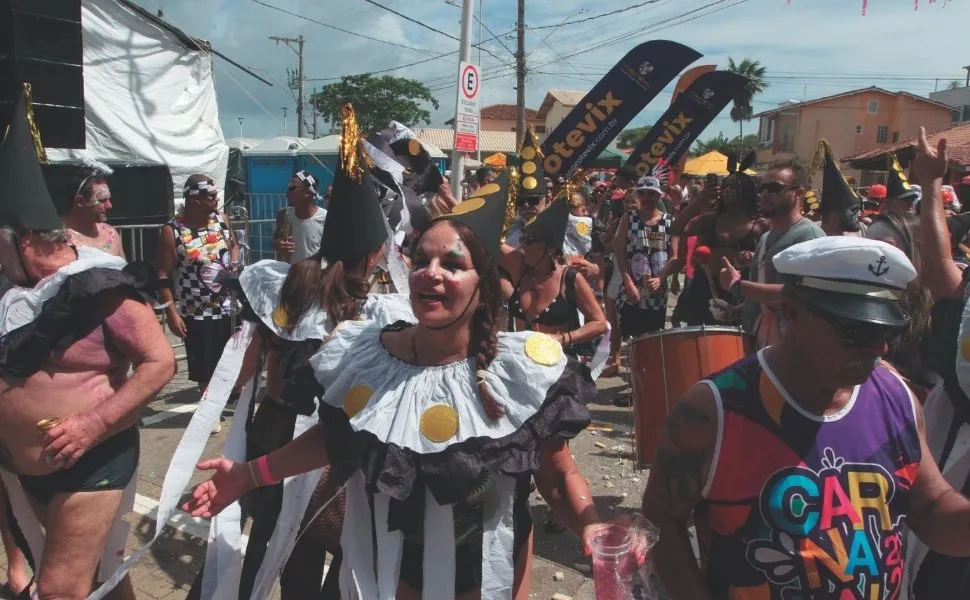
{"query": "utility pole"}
pixel 314 109
pixel 300 79
pixel 520 79
pixel 481 3
pixel 464 55
pixel 240 126
pixel 967 69
pixel 284 120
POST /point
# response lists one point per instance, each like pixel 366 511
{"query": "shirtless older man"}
pixel 69 330
pixel 87 221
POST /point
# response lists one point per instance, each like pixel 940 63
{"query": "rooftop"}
pixel 795 104
pixel 490 141
pixel 503 112
pixel 567 98
pixel 957 147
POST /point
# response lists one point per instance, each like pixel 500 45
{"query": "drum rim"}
pixel 694 329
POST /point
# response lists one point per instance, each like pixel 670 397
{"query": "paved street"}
pixel 604 453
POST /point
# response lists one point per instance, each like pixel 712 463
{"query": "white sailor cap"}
pixel 851 277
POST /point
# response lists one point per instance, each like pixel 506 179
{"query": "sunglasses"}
pixel 773 187
pixel 857 334
pixel 530 200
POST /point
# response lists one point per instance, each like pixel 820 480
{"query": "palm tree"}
pixel 953 85
pixel 742 110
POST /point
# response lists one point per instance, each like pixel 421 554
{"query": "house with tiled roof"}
pixel 957 150
pixel 853 122
pixel 489 141
pixel 502 117
pixel 557 105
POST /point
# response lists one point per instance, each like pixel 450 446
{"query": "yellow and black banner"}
pixel 612 103
pixel 685 120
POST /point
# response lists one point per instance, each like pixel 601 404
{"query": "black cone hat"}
pixel 897 184
pixel 532 176
pixel 484 213
pixel 837 194
pixel 25 202
pixel 355 223
pixel 549 226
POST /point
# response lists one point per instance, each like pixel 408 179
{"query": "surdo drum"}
pixel 665 364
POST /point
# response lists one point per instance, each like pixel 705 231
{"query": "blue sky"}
pixel 811 48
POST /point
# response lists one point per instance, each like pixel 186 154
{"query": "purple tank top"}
pixel 800 507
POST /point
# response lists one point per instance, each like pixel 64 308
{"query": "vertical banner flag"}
pixel 687 117
pixel 612 103
pixel 683 83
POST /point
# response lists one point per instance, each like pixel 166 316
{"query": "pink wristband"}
pixel 263 465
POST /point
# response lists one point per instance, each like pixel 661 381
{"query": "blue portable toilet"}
pixel 319 158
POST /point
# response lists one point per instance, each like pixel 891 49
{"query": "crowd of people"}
pixel 404 432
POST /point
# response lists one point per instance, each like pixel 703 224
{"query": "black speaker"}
pixel 41 44
pixel 142 200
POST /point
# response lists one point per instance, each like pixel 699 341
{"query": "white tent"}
pixel 328 144
pixel 243 144
pixel 279 145
pixel 149 95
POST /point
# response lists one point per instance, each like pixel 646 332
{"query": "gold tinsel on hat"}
pixel 34 132
pixel 573 185
pixel 352 157
pixel 510 203
pixel 819 159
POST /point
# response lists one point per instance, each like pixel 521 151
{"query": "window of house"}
pixel 882 134
pixel 895 136
pixel 540 128
pixel 873 107
pixel 858 129
pixel 765 130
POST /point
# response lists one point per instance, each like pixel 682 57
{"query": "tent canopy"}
pixel 712 163
pixel 496 160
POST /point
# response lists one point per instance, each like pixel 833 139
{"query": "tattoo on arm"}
pixel 683 457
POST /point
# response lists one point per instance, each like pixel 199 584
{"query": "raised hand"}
pixel 230 481
pixel 930 163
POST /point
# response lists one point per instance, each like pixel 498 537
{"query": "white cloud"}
pixel 819 47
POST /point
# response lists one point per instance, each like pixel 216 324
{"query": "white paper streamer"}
pixel 498 541
pixel 439 550
pixel 297 492
pixel 390 547
pixel 189 450
pixel 223 564
pixel 358 580
pixel 395 262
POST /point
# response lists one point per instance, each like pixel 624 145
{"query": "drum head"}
pixel 702 329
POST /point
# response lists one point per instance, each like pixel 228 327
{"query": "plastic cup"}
pixel 613 563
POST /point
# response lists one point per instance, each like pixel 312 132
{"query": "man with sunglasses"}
pixel 804 465
pixel 299 226
pixel 780 201
pixel 192 246
pixel 87 220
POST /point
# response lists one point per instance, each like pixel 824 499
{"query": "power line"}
pixel 348 32
pixel 415 21
pixel 594 17
pixel 420 62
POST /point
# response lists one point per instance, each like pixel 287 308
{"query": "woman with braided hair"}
pixel 437 427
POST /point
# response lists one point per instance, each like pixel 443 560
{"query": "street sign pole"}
pixel 464 55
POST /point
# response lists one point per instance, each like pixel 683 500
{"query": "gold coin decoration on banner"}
pixel 528 168
pixel 529 183
pixel 486 190
pixel 543 350
pixel 468 206
pixel 583 228
pixel 414 147
pixel 439 423
pixel 356 399
pixel 280 318
pixel 528 153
